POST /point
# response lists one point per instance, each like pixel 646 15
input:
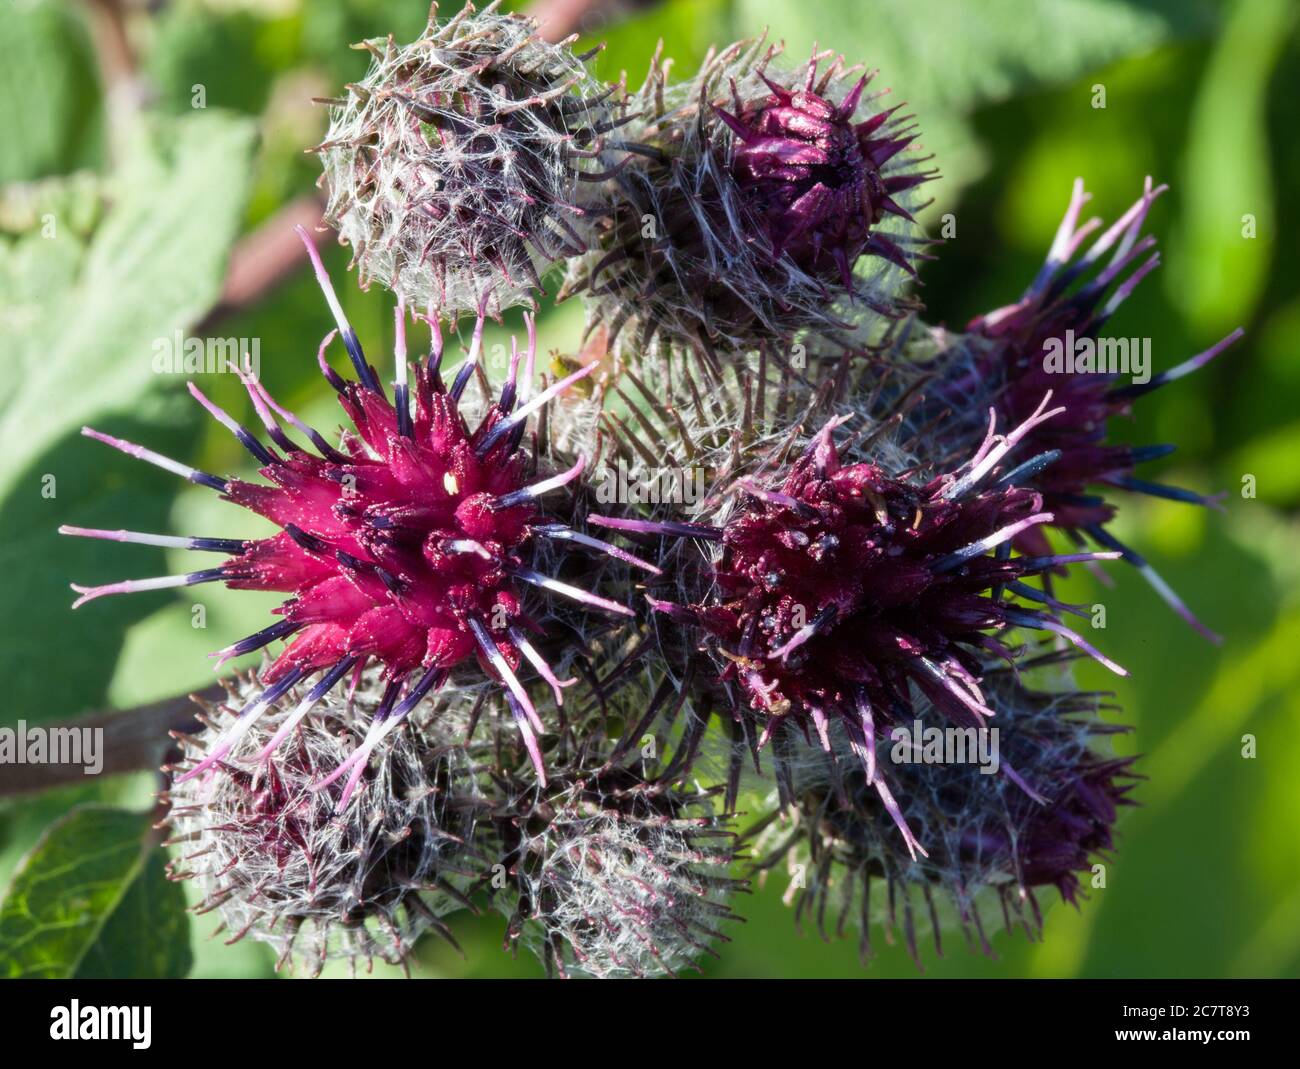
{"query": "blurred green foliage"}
pixel 1207 879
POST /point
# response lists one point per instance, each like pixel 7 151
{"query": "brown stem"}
pixel 556 19
pixel 123 90
pixel 112 44
pixel 134 740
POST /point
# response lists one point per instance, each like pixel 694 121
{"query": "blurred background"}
pixel 152 165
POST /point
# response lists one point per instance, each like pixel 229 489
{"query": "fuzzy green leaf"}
pixel 80 315
pixel 50 111
pixel 92 901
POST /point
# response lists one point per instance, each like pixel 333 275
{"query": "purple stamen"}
pixel 401 391
pixel 207 545
pixel 1162 588
pixel 516 689
pixel 139 452
pixel 520 414
pixel 364 371
pixel 525 494
pixel 279 629
pixel 770 497
pixel 896 814
pixel 331 376
pixel 1041 621
pixel 139 586
pixel 539 662
pixel 475 347
pixel 380 725
pixel 981 546
pixel 577 594
pixel 273 429
pixel 1170 493
pixel 992 451
pixel 317 439
pixel 1034 594
pixel 666 527
pixel 1022 473
pixel 562 533
pixel 868 725
pixel 1174 373
pixel 1033 565
pixel 242 433
pixel 326 684
pixel 818 623
pixel 245 720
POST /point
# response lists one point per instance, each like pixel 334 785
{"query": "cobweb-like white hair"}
pixel 621 896
pixel 278 863
pixel 453 167
pixel 682 256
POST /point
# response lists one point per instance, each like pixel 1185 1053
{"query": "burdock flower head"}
pixel 839 590
pixel 765 202
pixel 613 875
pixel 411 546
pixel 1049 339
pixel 453 168
pixel 990 844
pixel 280 863
pixel 813 173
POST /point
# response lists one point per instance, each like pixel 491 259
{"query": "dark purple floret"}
pixel 1071 300
pixel 842 587
pixel 410 548
pixel 812 176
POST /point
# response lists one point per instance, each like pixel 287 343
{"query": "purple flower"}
pixel 410 547
pixel 1048 845
pixel 813 177
pixel 754 207
pixel 840 587
pixel 1006 360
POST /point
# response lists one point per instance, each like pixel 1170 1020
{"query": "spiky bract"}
pixel 411 547
pixel 745 212
pixel 610 874
pixel 989 844
pixel 454 167
pixel 280 862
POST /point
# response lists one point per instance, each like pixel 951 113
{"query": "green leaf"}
pixel 1230 224
pixel 79 319
pixel 154 266
pixel 76 200
pixel 92 900
pixel 50 114
pixel 959 56
pixel 688 29
pixel 194 47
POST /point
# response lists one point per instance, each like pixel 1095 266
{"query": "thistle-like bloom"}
pixel 814 176
pixel 1015 353
pixel 410 547
pixel 278 862
pixel 990 843
pixel 760 203
pixel 841 587
pixel 454 167
pixel 614 875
